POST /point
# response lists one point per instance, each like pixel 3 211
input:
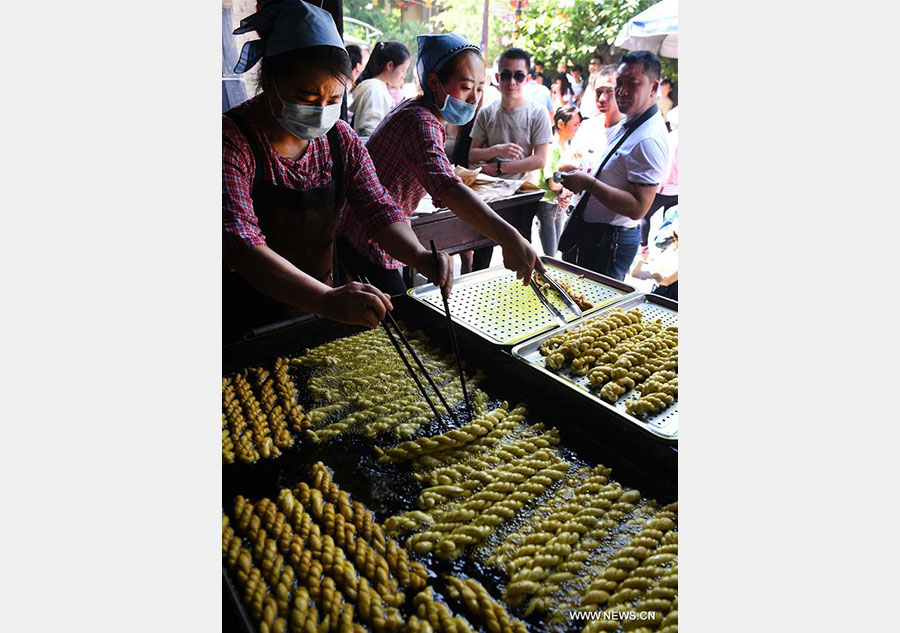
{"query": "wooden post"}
pixel 336 9
pixel 484 29
pixel 518 17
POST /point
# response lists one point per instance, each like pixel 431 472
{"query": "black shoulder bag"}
pixel 575 225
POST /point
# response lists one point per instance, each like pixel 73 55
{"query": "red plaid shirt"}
pixel 370 206
pixel 407 148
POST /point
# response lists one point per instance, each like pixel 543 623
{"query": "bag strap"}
pixel 337 162
pixel 629 128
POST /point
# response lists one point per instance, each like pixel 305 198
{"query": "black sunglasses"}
pixel 506 75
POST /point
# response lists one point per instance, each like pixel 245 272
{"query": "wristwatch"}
pixel 499 173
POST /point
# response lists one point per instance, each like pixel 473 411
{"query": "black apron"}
pixel 298 225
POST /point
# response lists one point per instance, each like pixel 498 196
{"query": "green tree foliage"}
pixel 551 30
pixel 570 31
pixel 465 16
pixel 387 18
pixel 669 68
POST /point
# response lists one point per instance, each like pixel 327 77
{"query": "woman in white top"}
pixel 371 99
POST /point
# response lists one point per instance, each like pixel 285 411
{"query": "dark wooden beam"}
pixel 336 9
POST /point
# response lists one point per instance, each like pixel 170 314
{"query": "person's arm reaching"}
pixel 640 273
pixel 633 202
pixel 518 255
pixel 371 207
pixel 645 164
pixel 666 281
pixel 400 241
pixel 434 171
pixel 273 275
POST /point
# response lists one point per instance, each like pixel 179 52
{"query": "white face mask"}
pixel 304 121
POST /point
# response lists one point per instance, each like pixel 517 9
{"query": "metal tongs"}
pixel 567 300
pixel 570 303
pixel 557 315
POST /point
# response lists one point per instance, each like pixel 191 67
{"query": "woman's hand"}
pixel 518 255
pixel 355 304
pixel 576 181
pixel 443 276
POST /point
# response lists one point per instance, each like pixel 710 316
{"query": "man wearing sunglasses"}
pixel 511 137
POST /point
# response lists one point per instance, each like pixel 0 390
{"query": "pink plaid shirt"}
pixel 407 149
pixel 369 207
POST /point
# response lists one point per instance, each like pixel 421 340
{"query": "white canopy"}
pixel 370 32
pixel 654 29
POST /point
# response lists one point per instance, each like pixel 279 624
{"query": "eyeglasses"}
pixel 506 75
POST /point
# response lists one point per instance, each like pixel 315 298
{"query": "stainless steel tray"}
pixel 663 424
pixel 496 306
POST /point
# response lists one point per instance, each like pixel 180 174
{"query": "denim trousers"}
pixel 606 249
pixel 551 226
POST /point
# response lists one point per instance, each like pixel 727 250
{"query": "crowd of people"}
pixel 585 119
pixel 313 204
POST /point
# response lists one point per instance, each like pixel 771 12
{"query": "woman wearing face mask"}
pixel 372 99
pixel 408 152
pixel 288 167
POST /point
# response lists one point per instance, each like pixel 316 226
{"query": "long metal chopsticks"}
pixel 453 343
pixel 419 362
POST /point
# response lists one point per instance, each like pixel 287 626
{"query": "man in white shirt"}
pixel 624 191
pixel 594 134
pixel 540 94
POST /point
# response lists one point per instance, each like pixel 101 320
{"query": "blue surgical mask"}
pixel 456 111
pixel 304 121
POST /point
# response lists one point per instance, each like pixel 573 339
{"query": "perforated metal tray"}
pixel 495 305
pixel 663 424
